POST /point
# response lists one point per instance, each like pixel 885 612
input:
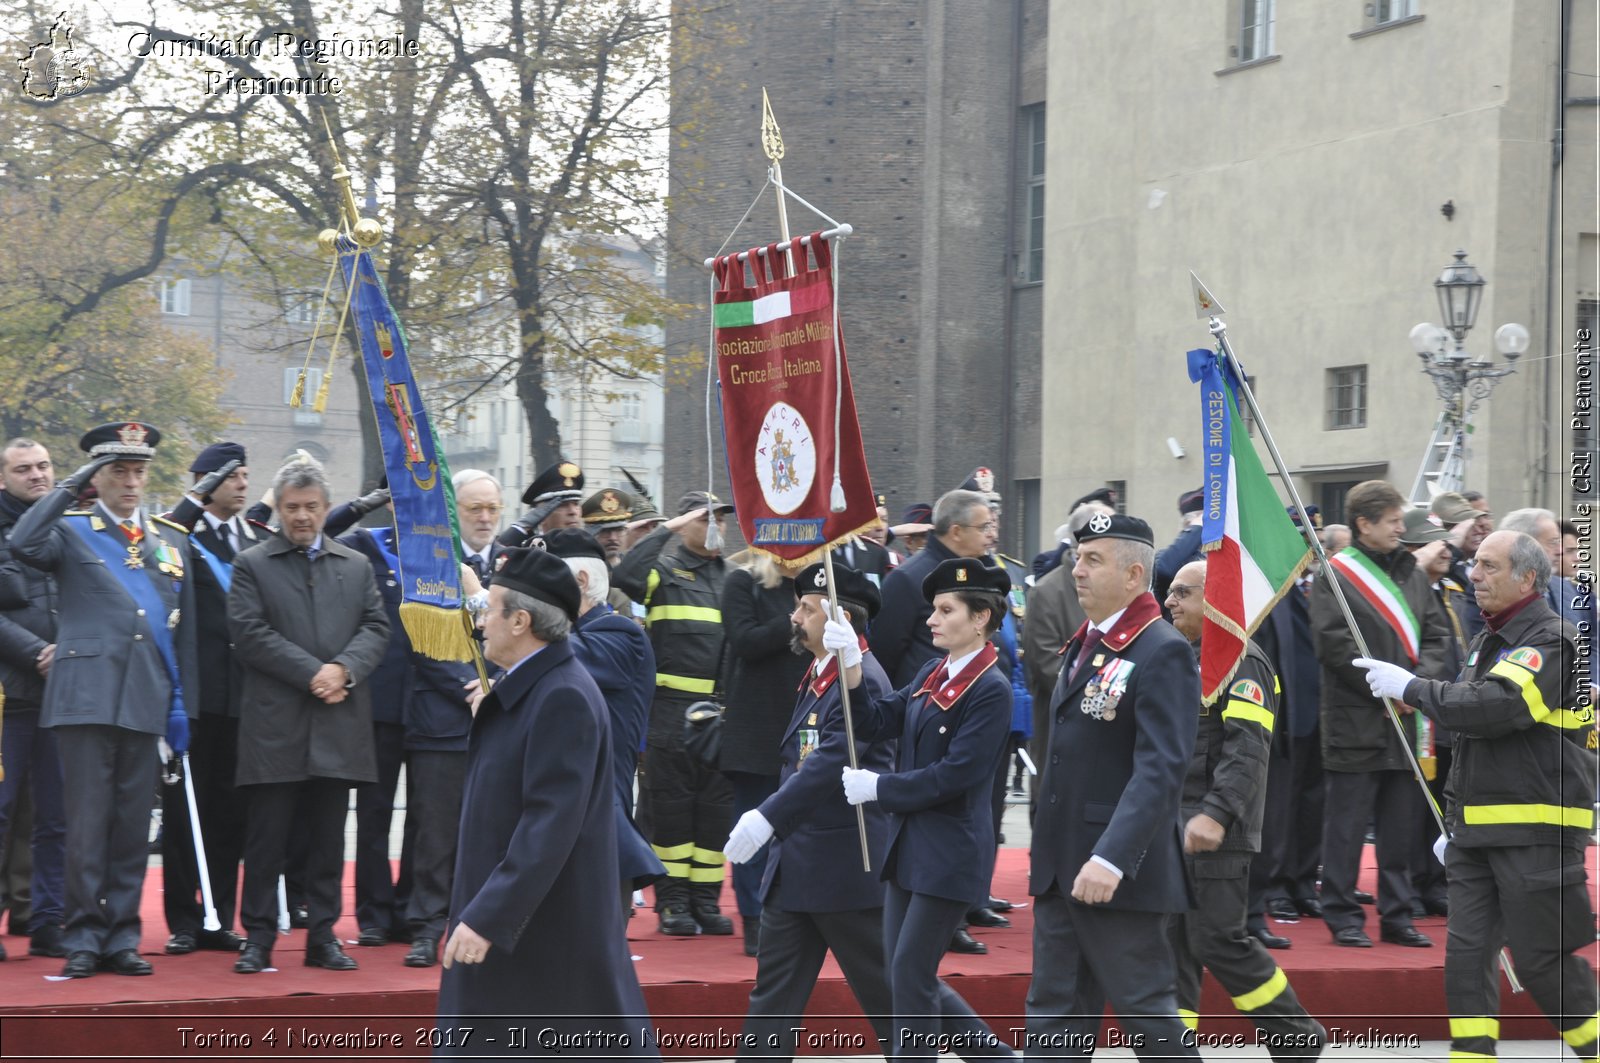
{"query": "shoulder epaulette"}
pixel 175 527
pixel 77 513
pixel 1008 557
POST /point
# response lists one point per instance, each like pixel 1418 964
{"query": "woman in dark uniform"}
pixel 952 722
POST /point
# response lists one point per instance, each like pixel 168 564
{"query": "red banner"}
pixel 781 383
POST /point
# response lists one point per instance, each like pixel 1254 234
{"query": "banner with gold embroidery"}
pixel 419 479
pixel 795 459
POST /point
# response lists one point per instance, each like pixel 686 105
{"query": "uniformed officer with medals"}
pixel 125 654
pixel 1107 863
pixel 951 721
pixel 815 895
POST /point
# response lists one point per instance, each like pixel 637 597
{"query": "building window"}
pixel 175 297
pixel 302 309
pixel 1347 397
pixel 1032 264
pixel 1254 37
pixel 303 414
pixel 1383 12
pixel 1119 491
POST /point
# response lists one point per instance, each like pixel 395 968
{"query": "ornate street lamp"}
pixel 1461 381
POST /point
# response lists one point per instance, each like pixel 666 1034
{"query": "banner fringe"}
pixel 435 632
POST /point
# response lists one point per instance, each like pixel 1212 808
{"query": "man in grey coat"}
pixel 124 655
pixel 308 628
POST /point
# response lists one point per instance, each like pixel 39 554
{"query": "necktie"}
pixel 225 541
pixel 480 565
pixel 132 531
pixel 1090 641
pixel 311 553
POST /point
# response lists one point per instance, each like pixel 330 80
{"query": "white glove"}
pixel 1386 680
pixel 749 835
pixel 1439 846
pixel 839 638
pixel 860 785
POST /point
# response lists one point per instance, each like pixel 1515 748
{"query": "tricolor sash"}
pixel 137 583
pixel 1382 594
pixel 223 570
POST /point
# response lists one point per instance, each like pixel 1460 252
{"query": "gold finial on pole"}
pixel 365 231
pixel 771 138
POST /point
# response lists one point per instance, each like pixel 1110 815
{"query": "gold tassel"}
pixel 298 396
pixel 435 631
pixel 321 403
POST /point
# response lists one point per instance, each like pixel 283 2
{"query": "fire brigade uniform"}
pixel 1521 809
pixel 1227 780
pixel 686 806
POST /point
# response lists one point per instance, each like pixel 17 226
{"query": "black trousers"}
pixel 1291 829
pixel 214 760
pixel 917 929
pixel 110 775
pixel 1212 936
pixel 1084 955
pixel 1534 898
pixel 314 809
pixel 380 899
pixel 434 783
pixel 1355 798
pixel 793 946
pixel 688 806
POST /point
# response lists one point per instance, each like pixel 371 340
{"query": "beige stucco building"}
pixel 1298 161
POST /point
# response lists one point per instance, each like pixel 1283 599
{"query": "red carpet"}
pixel 694 988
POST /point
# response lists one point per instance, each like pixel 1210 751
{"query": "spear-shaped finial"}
pixel 771 138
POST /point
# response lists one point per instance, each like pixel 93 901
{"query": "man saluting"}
pixel 125 654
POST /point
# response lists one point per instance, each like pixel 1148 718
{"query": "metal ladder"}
pixel 1444 464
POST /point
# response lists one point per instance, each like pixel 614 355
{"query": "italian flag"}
pixel 772 307
pixel 1253 550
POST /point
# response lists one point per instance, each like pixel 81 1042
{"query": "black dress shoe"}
pixel 966 943
pixel 1409 936
pixel 998 904
pixel 330 957
pixel 373 936
pixel 299 917
pixel 181 944
pixel 81 965
pixel 126 961
pixel 1417 910
pixel 253 959
pixel 1352 937
pixel 1271 940
pixel 424 953
pixel 46 941
pixel 987 917
pixel 1283 910
pixel 1309 906
pixel 1436 905
pixel 219 941
pixel 1363 897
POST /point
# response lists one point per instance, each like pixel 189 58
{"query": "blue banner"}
pixel 419 480
pixel 1206 368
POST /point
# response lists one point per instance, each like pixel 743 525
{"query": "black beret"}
pixel 573 542
pixel 965 574
pixel 216 456
pixel 561 482
pixel 918 513
pixel 538 574
pixel 1105 496
pixel 608 507
pixel 1116 526
pixel 1192 501
pixel 125 439
pixel 852 586
pixel 1314 512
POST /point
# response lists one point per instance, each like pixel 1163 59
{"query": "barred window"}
pixel 1347 397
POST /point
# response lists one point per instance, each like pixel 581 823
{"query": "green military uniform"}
pixel 1521 810
pixel 1227 780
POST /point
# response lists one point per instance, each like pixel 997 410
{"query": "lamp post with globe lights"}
pixel 1461 380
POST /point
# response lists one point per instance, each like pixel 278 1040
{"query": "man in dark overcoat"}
pixel 124 655
pixel 308 629
pixel 529 936
pixel 1107 862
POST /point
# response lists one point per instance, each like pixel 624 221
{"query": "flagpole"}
pixel 1219 330
pixel 772 146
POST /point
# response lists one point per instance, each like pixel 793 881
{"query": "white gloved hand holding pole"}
pixel 840 639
